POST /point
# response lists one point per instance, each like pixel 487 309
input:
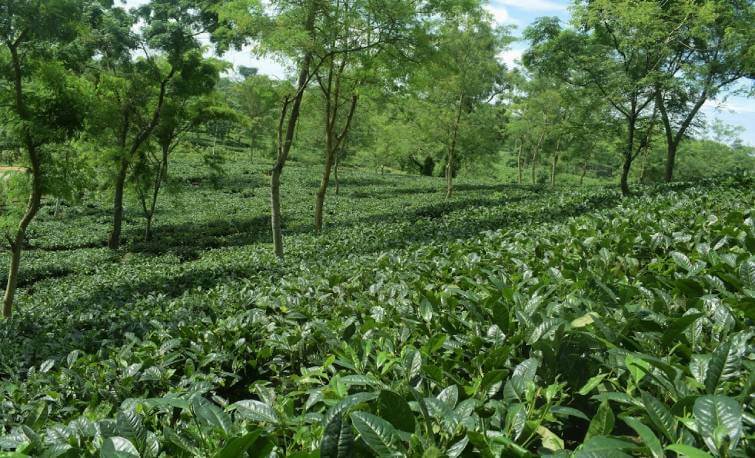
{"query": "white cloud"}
pixel 531 5
pixel 741 105
pixel 511 57
pixel 500 14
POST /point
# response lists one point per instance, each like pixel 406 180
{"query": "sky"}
pixel 736 111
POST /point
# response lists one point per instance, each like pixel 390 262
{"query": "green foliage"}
pixel 600 327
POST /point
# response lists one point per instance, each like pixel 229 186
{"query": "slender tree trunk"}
pixel 643 166
pixel 332 143
pixel 625 169
pixel 35 197
pixel 629 153
pixel 553 170
pixel 323 189
pixel 554 165
pixel 275 207
pixel 452 150
pixel 148 229
pixel 535 152
pixel 285 142
pixel 164 165
pixel 251 145
pixel 670 160
pixel 519 163
pixel 584 172
pixel 114 242
pixel 674 138
pixel 32 207
pixel 161 176
pixel 335 174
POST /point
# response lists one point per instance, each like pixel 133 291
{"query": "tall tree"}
pixel 257 98
pixel 135 89
pixel 42 101
pixel 302 32
pixel 188 104
pixel 616 48
pixel 464 73
pixel 715 50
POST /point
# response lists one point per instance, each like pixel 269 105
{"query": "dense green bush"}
pixel 506 321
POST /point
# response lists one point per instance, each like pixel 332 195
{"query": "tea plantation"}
pixel 504 321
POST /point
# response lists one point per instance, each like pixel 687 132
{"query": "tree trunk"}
pixel 670 160
pixel 553 169
pixel 322 190
pixel 674 138
pixel 114 242
pixel 519 163
pixel 32 208
pixel 535 151
pixel 148 229
pixel 332 143
pixel 584 172
pixel 35 197
pixel 452 150
pixel 251 145
pixel 275 206
pixel 164 165
pixel 335 174
pixel 555 163
pixel 285 142
pixel 625 175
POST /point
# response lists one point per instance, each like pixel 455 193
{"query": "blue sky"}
pixel 738 111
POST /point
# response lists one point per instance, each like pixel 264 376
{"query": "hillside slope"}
pixel 506 321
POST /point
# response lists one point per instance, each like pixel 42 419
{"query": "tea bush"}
pixel 506 321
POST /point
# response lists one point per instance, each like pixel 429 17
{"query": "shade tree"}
pixel 43 99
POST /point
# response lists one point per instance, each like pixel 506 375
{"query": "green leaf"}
pixel 348 402
pixel 426 310
pixel 603 447
pixel 118 447
pixel 179 441
pixel 377 433
pixel 338 439
pixel 549 439
pixel 584 320
pixel 723 364
pixel 210 415
pixel 238 445
pixel 602 423
pixel 544 330
pixel 637 367
pixel 413 363
pixel 129 424
pixel 501 315
pixel 591 384
pixel 449 395
pixel 688 451
pixel 647 435
pixel 569 412
pixel 682 261
pixel 678 327
pixel 747 273
pixel 718 417
pixel 396 411
pixel 458 448
pixel 443 413
pixel 255 410
pixel 659 415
